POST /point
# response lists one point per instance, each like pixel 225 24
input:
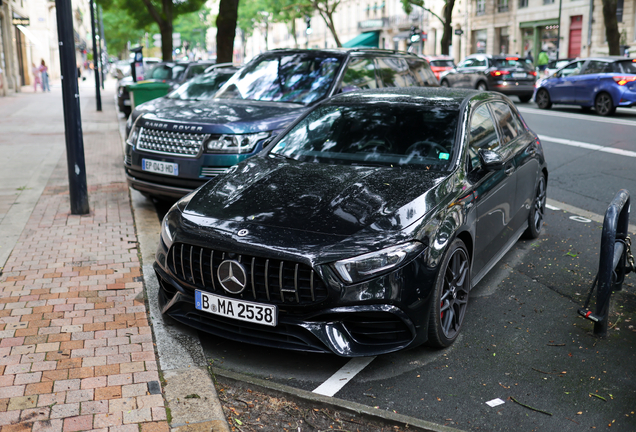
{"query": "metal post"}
pixel 102 41
pixel 98 95
pixel 559 31
pixel 72 116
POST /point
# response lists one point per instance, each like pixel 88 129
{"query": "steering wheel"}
pixel 426 148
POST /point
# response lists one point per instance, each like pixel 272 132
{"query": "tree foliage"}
pixel 446 19
pixel 193 26
pixel 119 28
pixel 162 12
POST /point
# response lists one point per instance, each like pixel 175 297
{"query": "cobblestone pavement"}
pixel 76 349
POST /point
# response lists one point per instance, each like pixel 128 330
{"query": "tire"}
pixel 543 99
pixel 481 86
pixel 525 99
pixel 586 109
pixel 444 83
pixel 450 298
pixel 537 211
pixel 604 104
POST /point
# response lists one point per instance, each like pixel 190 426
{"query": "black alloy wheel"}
pixel 537 212
pixel 450 299
pixel 481 86
pixel 543 99
pixel 444 83
pixel 604 105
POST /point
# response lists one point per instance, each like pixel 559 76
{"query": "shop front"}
pixel 540 36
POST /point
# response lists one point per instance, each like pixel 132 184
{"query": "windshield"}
pixel 512 62
pixel 202 87
pixel 384 135
pixel 442 63
pixel 167 72
pixel 628 66
pixel 298 78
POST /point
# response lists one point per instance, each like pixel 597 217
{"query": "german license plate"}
pixel 519 75
pixel 159 167
pixel 237 309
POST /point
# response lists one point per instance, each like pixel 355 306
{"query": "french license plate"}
pixel 237 309
pixel 519 75
pixel 159 167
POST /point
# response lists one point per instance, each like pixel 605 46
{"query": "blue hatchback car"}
pixel 604 83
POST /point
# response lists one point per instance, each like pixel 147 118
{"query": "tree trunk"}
pixel 611 27
pixel 293 32
pixel 448 27
pixel 165 29
pixel 328 18
pixel 226 30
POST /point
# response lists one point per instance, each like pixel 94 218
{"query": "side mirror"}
pixel 490 160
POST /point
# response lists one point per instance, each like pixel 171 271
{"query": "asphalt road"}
pixel 522 337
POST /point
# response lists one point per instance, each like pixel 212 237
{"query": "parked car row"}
pixel 336 201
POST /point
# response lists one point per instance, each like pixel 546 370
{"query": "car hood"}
pixel 335 201
pixel 220 115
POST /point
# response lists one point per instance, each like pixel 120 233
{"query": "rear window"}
pixel 442 63
pixel 511 62
pixel 627 66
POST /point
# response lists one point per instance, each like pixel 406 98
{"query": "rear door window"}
pixel 595 67
pixel 508 122
pixel 359 75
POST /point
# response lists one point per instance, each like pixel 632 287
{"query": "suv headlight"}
pixel 134 132
pixel 234 143
pixel 369 265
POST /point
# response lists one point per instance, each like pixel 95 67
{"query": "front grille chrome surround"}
pixel 268 280
pixel 184 144
pixel 213 171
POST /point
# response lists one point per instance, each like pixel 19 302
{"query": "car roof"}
pixel 342 51
pixel 610 58
pixel 449 97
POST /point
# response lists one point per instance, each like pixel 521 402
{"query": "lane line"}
pixel 588 146
pixel 343 376
pixel 583 117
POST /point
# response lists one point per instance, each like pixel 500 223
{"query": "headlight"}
pixel 134 132
pixel 168 230
pixel 234 143
pixel 370 265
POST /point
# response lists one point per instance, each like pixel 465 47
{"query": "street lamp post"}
pixel 558 44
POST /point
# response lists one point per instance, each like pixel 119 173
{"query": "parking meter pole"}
pixel 78 190
pixel 98 95
pixel 615 226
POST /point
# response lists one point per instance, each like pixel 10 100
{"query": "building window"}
pixel 545 2
pixel 523 4
pixel 480 39
pixel 481 7
pixel 502 5
pixel 619 10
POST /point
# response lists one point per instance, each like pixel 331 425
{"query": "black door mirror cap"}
pixel 491 160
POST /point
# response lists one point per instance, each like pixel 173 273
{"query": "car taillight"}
pixel 622 80
pixel 497 73
pixel 533 73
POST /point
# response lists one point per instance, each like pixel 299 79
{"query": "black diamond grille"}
pixel 268 280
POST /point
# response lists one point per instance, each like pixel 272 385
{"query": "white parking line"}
pixel 588 146
pixel 343 376
pixel 585 117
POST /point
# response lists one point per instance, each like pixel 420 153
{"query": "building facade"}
pixel 574 28
pixel 28 36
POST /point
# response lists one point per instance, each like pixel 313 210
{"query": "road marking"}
pixel 580 219
pixel 549 207
pixel 588 146
pixel 584 213
pixel 583 117
pixel 343 376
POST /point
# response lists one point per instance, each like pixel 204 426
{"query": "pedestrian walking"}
pixel 529 56
pixel 36 76
pixel 543 60
pixel 44 71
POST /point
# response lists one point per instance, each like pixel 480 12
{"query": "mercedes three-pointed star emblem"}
pixel 232 276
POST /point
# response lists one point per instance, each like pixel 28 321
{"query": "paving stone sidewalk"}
pixel 76 349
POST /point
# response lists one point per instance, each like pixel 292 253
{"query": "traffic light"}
pixel 415 34
pixel 308 21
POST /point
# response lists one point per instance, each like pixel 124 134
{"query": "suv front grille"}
pixel 213 171
pixel 171 143
pixel 268 280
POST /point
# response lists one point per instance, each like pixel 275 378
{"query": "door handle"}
pixel 509 170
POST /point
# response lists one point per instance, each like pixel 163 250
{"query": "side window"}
pixel 359 75
pixel 394 72
pixel 571 69
pixel 482 135
pixel 467 63
pixel 422 72
pixel 508 122
pixel 479 62
pixel 594 67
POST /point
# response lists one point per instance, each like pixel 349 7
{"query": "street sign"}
pixel 459 32
pixel 21 21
